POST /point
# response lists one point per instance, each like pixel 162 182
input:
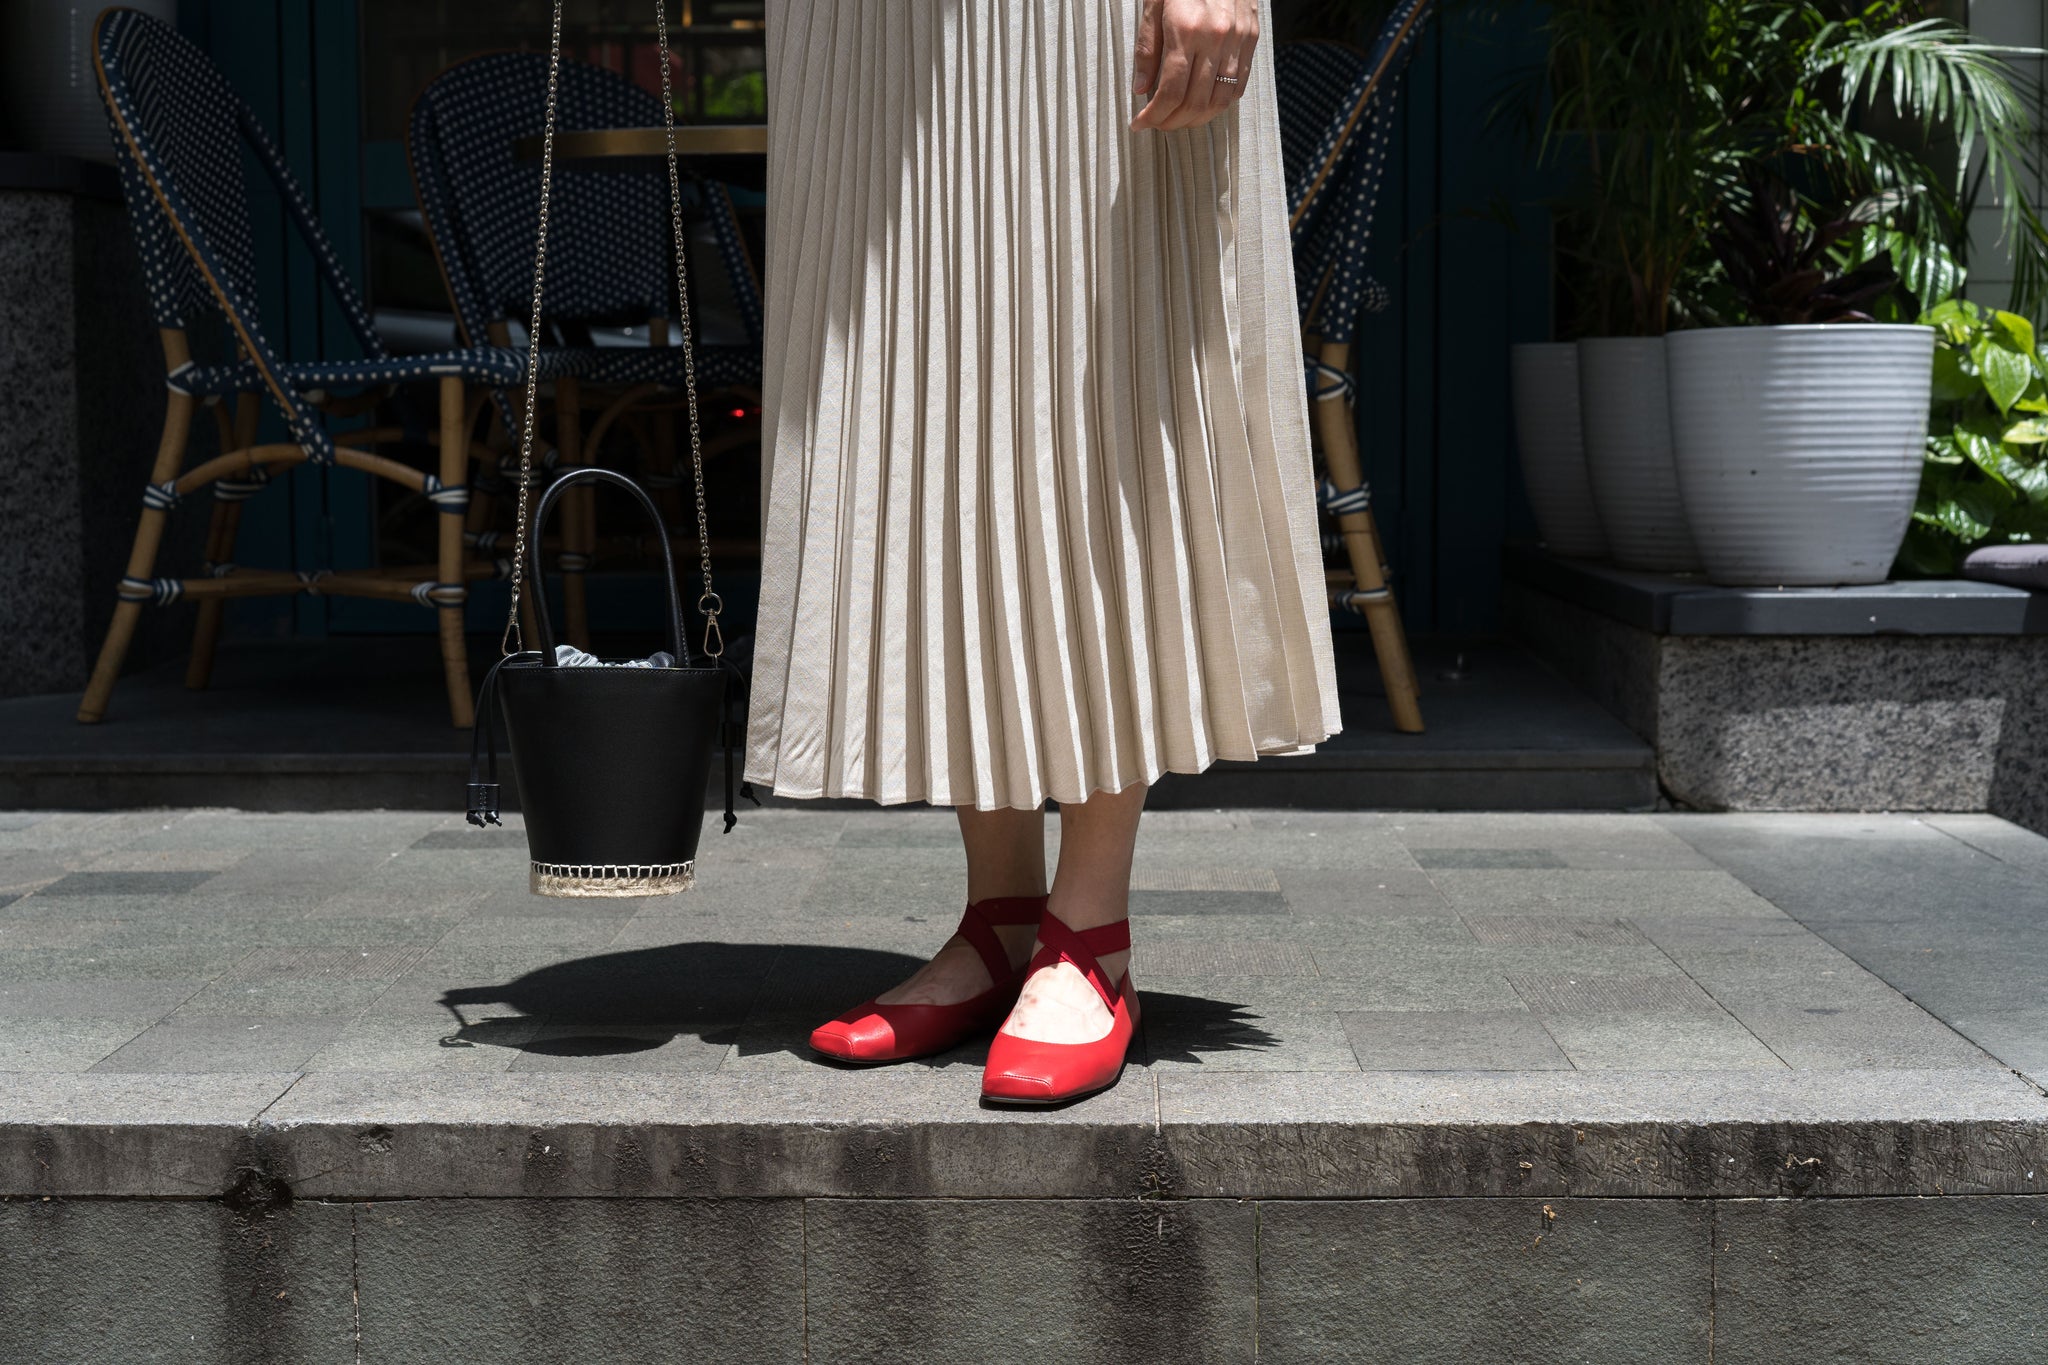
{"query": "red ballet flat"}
pixel 872 1033
pixel 1025 1071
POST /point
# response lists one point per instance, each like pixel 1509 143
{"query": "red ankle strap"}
pixel 977 927
pixel 1008 909
pixel 1058 943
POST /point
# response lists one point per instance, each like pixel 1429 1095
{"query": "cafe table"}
pixel 633 148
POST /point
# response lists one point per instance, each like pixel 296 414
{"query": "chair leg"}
pixel 576 523
pixel 1335 418
pixel 149 533
pixel 220 548
pixel 454 473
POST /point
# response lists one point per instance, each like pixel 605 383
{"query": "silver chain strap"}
pixel 709 603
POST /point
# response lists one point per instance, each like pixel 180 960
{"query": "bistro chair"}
pixel 610 262
pixel 1337 104
pixel 181 136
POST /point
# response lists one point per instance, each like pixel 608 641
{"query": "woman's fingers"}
pixel 1145 64
pixel 1200 104
pixel 1183 46
pixel 1170 86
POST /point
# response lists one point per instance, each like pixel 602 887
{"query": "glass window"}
pixel 718 77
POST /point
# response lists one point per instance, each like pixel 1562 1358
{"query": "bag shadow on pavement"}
pixel 639 999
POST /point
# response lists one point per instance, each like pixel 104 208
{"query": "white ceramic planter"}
pixel 52 97
pixel 1625 410
pixel 1553 449
pixel 1799 448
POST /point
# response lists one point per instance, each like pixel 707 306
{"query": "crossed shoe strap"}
pixel 1058 943
pixel 977 926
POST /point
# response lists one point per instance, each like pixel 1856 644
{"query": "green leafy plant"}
pixel 1778 260
pixel 1666 110
pixel 1985 481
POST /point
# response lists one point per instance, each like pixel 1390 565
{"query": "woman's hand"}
pixel 1194 57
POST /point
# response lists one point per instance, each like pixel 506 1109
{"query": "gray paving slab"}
pixel 251 1001
pixel 2000 839
pixel 1362 957
pixel 1451 1040
pixel 195 1045
pixel 161 961
pixel 368 830
pixel 613 1280
pixel 864 882
pixel 1152 904
pixel 1600 892
pixel 125 884
pixel 52 933
pixel 1427 986
pixel 586 932
pixel 1595 992
pixel 1248 1040
pixel 1528 1280
pixel 607 1048
pixel 1470 858
pixel 1020 1282
pixel 1816 1037
pixel 62 1044
pixel 21 873
pixel 487 1044
pixel 1950 911
pixel 175 1281
pixel 101 999
pixel 163 860
pixel 294 879
pixel 1890 1281
pixel 2016 1037
pixel 1565 831
pixel 1379 892
pixel 1303 841
pixel 99 830
pixel 1664 1041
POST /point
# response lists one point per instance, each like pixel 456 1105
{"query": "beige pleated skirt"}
pixel 1039 511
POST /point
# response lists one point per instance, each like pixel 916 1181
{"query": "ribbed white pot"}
pixel 52 97
pixel 1545 376
pixel 1800 447
pixel 1625 410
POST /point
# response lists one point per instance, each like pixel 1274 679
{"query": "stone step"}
pixel 919 1132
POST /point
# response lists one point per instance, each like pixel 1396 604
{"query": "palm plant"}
pixel 1672 107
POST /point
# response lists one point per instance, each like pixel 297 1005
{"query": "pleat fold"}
pixel 1039 517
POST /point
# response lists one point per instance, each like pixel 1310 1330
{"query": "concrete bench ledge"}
pixel 266 1138
pixel 1679 604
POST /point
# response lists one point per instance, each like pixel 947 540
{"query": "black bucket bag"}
pixel 613 759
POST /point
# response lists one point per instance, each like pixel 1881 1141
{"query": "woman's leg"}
pixel 1005 857
pixel 1091 888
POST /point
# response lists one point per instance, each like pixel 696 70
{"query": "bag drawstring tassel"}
pixel 733 676
pixel 483 749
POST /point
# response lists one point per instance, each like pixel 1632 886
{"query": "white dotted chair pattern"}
pixel 609 246
pixel 1336 107
pixel 186 147
pixel 181 135
pixel 1337 104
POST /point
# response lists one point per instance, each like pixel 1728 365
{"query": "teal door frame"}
pixel 297 64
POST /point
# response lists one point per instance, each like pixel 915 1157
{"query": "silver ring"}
pixel 1226 80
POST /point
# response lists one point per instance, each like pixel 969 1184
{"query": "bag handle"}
pixel 709 603
pixel 678 646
